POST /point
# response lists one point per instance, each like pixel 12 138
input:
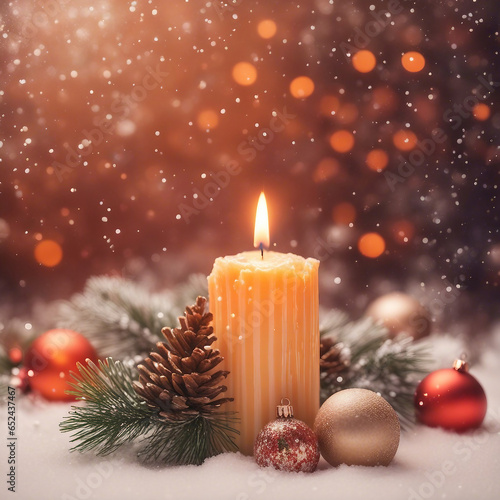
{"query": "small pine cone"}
pixel 334 357
pixel 178 378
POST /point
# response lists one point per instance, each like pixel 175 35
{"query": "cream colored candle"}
pixel 265 311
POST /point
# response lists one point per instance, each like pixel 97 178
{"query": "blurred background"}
pixel 136 137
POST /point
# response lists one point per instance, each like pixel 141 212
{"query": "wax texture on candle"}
pixel 266 320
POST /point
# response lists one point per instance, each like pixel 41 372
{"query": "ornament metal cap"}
pixel 461 364
pixel 285 409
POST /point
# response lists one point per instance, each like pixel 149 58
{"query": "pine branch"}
pixel 191 441
pixel 390 367
pixel 113 415
pixel 186 293
pixel 120 318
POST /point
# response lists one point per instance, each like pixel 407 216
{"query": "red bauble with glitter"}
pixel 51 357
pixel 287 444
pixel 451 398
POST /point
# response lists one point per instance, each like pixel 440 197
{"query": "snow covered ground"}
pixel 429 464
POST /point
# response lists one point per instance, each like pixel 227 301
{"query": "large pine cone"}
pixel 176 378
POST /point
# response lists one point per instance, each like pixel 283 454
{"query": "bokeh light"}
pixel 48 253
pixel 481 111
pixel 404 140
pixel 266 28
pixel 301 87
pixel 244 73
pixel 207 119
pixel 377 159
pixel 116 116
pixel 364 61
pixel 371 245
pixel 342 141
pixel 15 355
pixel 413 61
pixel 326 169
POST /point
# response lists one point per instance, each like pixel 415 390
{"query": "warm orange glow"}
pixel 481 111
pixel 342 141
pixel 413 61
pixel 364 61
pixel 326 169
pixel 207 119
pixel 371 245
pixel 266 28
pixel 344 213
pixel 347 113
pixel 48 253
pixel 377 159
pixel 15 355
pixel 384 100
pixel 329 105
pixel 244 73
pixel 413 35
pixel 301 87
pixel 403 231
pixel 404 140
pixel 261 233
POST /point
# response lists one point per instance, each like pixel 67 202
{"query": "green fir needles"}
pixel 360 354
pixel 173 411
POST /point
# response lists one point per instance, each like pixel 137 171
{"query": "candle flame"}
pixel 261 233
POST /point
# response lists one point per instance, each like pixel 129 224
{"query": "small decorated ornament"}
pixel 357 427
pixel 401 313
pixel 451 398
pixel 286 443
pixel 51 357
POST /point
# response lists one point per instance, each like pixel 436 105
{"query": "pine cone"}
pixel 333 357
pixel 176 379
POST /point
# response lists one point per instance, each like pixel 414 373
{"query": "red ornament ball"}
pixel 287 444
pixel 451 398
pixel 51 357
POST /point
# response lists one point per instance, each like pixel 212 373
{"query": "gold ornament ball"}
pixel 401 313
pixel 357 427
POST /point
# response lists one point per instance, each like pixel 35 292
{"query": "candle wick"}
pixel 261 246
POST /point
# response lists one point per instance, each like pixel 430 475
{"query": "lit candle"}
pixel 265 307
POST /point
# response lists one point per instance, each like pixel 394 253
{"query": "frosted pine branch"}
pixel 120 318
pixel 369 359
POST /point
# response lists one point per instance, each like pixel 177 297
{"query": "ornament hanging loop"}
pixel 460 365
pixel 285 409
